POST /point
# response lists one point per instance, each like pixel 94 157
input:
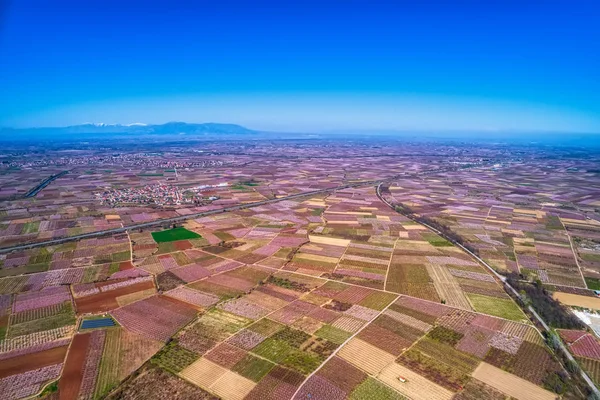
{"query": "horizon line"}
pixel 327 131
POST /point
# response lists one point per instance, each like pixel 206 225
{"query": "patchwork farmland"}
pixel 330 296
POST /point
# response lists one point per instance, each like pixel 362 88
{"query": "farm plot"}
pixel 221 381
pixel 343 374
pixel 267 301
pixel 35 341
pixel 255 334
pixel 412 280
pixel 253 368
pixel 279 383
pixel 134 350
pixel 510 384
pixel 72 375
pixel 244 308
pixel 168 281
pixel 26 384
pixel 234 282
pixel 157 317
pixel 232 386
pixel 581 344
pixel 336 379
pixel 190 273
pixel 576 300
pixel 174 358
pixel 333 334
pixel 366 356
pixel 319 388
pixel 46 297
pixel 439 362
pixel 156 384
pixel 175 234
pixel 92 363
pixel 39 313
pixel 18 364
pixel 533 363
pixel 456 341
pixel 504 308
pixel 447 287
pixel 416 386
pixel 295 349
pixel 108 371
pixel 192 296
pixel 109 296
pixel 390 335
pixel 225 355
pixel 592 367
pixel 210 329
pixel 22 324
pixel 218 287
pixel 374 389
pixel 475 390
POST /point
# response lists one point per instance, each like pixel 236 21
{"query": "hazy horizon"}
pixel 365 130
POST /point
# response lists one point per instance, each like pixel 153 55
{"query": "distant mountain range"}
pixel 183 131
pixel 170 128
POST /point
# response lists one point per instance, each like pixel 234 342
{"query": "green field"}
pixel 333 334
pixel 23 269
pixel 174 358
pixel 445 335
pixel 253 368
pixel 590 257
pixel 592 283
pixel 372 389
pixel 273 350
pixel 302 361
pixel 108 373
pixel 65 317
pixel 377 300
pixel 172 235
pixel 436 240
pixel 30 227
pixel 503 308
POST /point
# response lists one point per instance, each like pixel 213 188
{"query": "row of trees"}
pixel 555 314
pixel 446 231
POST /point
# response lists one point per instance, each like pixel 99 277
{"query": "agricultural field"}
pixel 142 185
pixel 438 349
pixel 585 348
pixel 523 228
pixel 173 235
pixel 334 295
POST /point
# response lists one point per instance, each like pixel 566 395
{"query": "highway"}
pixel 33 192
pixel 502 278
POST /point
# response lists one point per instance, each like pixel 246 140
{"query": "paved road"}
pixel 167 221
pixel 506 285
pixel 33 192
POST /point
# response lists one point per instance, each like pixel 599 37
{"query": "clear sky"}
pixel 312 66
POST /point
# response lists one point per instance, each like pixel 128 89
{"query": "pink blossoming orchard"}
pixel 346 292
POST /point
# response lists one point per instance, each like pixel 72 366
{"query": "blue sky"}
pixel 313 66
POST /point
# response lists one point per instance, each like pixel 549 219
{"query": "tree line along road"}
pixel 507 287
